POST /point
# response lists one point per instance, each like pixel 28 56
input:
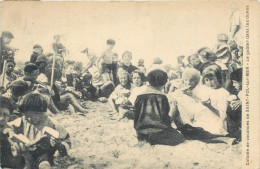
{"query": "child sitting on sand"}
pixel 37 136
pixel 151 112
pixel 212 78
pixel 234 111
pixel 191 111
pixel 65 100
pixel 119 97
pixel 8 160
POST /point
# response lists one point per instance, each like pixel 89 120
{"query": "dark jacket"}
pixel 34 57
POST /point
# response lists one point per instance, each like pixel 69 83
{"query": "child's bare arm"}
pixel 215 111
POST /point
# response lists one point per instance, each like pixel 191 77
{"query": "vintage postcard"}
pixel 130 85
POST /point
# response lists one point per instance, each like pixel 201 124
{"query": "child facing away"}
pixel 8 160
pixel 151 112
pixel 35 135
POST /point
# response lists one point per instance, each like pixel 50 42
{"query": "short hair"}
pixel 141 74
pixel 37 46
pixel 180 58
pixel 193 73
pixel 141 60
pixel 33 102
pixel 222 37
pixel 7 34
pixel 237 75
pixel 115 54
pixel 30 67
pixel 19 88
pixel 11 61
pixel 121 71
pixel 56 36
pixel 127 52
pixel 111 42
pixel 41 58
pixel 157 78
pixel 196 55
pixel 6 103
pixel 210 71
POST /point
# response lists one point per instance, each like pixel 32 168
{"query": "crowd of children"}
pixel 201 99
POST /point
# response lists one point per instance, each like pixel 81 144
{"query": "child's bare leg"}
pixel 121 113
pixel 44 165
pixel 53 108
pixel 71 109
pixel 69 97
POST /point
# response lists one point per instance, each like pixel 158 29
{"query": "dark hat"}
pixel 20 87
pixel 157 78
pixel 111 42
pixel 7 34
pixel 207 54
pixel 30 67
pixel 237 75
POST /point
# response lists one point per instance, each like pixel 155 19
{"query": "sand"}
pixel 100 141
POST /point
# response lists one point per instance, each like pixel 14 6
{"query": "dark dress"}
pixel 234 122
pixel 152 122
pixel 7 158
pixel 34 57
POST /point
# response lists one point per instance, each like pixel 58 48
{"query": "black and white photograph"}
pixel 129 85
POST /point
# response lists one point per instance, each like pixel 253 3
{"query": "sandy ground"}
pixel 99 141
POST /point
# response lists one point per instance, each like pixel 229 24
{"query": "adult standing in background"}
pixel 59 51
pixel 5 51
pixel 235 26
pixel 37 50
pixel 58 47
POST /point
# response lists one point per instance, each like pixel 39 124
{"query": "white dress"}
pixel 193 112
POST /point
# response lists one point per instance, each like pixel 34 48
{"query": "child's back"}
pixel 151 105
pixel 151 112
